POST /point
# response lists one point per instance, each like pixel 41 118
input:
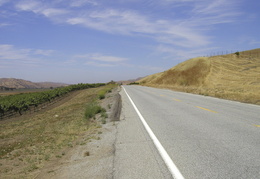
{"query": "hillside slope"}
pixel 21 84
pixel 231 76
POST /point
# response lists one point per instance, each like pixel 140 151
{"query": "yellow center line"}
pixel 257 125
pixel 162 95
pixel 176 100
pixel 206 109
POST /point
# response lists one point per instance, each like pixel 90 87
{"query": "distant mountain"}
pixel 22 84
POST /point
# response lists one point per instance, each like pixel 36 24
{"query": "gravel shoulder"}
pixel 91 160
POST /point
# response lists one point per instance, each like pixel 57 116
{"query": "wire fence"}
pixel 255 54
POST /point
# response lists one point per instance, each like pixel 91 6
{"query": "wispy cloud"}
pixel 135 24
pixel 182 54
pixel 3 2
pixel 44 52
pixel 47 9
pixel 13 56
pixel 8 52
pixel 214 7
pixel 91 63
pixel 97 59
pixel 173 35
pixel 79 3
pixel 100 57
pixel 188 32
pixel 4 24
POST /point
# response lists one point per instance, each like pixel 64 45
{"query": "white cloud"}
pixel 2 2
pixel 40 8
pixel 99 64
pixel 100 57
pixel 182 54
pixel 29 5
pixel 214 7
pixel 8 52
pixel 79 3
pixel 4 24
pixel 183 32
pixel 44 52
pixel 51 12
pixel 13 56
pixel 97 59
pixel 132 23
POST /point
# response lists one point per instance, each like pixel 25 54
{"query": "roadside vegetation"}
pixel 103 92
pixel 26 145
pixel 133 83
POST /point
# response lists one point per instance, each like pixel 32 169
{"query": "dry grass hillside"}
pixel 232 76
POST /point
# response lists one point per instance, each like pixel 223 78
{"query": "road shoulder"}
pixel 135 153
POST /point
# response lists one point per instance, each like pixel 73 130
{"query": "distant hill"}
pixel 125 82
pixel 24 84
pixel 233 76
pixel 51 84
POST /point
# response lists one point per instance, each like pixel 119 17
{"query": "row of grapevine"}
pixel 22 102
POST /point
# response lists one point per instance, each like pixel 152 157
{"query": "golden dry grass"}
pixel 235 77
pixel 27 144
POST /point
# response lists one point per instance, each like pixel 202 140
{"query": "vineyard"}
pixel 17 104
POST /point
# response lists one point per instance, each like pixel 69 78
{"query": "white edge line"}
pixel 168 161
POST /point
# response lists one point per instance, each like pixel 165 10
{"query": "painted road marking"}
pixel 162 95
pixel 206 109
pixel 167 159
pixel 257 125
pixel 176 100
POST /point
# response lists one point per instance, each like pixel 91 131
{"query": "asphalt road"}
pixel 205 137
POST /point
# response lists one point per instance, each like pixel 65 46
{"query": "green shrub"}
pixel 102 94
pixel 237 53
pixel 104 114
pixel 134 83
pixel 93 109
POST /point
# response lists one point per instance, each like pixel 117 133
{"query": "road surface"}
pixel 205 137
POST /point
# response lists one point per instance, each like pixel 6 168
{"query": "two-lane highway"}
pixel 205 137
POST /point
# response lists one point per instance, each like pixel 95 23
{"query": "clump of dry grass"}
pixel 234 77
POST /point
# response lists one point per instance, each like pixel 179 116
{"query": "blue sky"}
pixel 90 41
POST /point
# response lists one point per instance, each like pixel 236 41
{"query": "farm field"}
pixel 19 91
pixel 21 103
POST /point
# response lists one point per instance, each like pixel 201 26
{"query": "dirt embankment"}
pixel 59 142
pixel 232 76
